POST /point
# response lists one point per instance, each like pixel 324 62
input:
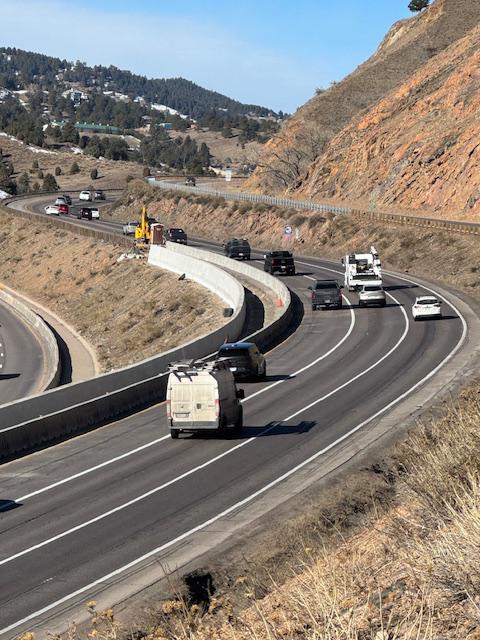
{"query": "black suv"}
pixel 326 293
pixel 244 359
pixel 98 195
pixel 279 262
pixel 176 235
pixel 190 181
pixel 239 249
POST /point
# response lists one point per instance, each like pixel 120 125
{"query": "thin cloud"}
pixel 158 46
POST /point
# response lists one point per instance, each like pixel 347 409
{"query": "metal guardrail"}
pixel 437 224
pixel 240 196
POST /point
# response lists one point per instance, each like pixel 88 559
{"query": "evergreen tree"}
pixel 23 184
pixel 418 5
pixel 49 183
pixel 69 133
pixel 74 168
pixel 94 174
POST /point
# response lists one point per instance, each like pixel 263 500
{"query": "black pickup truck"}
pixel 176 235
pixel 279 262
pixel 238 249
pixel 326 293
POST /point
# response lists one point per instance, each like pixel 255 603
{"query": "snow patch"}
pixel 4 194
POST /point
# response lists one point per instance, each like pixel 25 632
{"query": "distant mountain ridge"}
pixel 21 69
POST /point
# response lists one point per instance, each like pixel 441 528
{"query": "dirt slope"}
pixel 127 311
pixel 409 45
pixel 416 149
pixel 419 251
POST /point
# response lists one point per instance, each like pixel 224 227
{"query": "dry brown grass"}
pixel 127 311
pixel 412 572
pixel 445 256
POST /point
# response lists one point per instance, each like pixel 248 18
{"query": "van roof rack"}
pixel 190 368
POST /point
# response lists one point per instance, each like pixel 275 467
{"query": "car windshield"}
pixel 233 352
pixel 427 301
pixel 372 288
pixel 326 285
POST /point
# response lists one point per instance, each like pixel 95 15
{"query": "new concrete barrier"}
pixel 51 363
pixel 76 407
pixel 263 337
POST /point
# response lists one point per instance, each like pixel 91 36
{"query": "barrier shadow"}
pixel 9 376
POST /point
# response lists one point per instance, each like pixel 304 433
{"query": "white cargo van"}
pixel 203 396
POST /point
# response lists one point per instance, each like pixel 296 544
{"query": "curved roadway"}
pixel 98 510
pixel 21 357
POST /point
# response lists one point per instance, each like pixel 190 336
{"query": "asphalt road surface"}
pixel 88 513
pixel 21 357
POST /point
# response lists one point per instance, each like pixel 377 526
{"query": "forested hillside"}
pixel 20 69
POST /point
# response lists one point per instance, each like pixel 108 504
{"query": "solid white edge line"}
pixel 249 498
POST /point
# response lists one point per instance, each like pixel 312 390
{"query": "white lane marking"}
pixel 91 469
pixel 246 500
pixel 154 442
pixel 199 467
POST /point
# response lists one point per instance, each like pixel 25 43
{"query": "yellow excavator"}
pixel 142 232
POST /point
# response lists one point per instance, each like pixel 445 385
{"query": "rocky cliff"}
pixel 294 160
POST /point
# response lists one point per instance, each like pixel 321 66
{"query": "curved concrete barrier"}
pixel 52 363
pixel 72 408
pixel 263 337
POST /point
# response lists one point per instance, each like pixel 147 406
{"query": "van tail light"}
pixel 169 408
pixel 217 408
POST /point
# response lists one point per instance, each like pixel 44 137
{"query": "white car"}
pixel 85 195
pixel 371 294
pixel 426 307
pixel 52 210
pixel 129 228
pixel 61 200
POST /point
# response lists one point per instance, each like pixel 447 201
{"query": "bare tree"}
pixel 286 161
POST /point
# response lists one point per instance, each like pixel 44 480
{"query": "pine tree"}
pixel 49 183
pixel 418 5
pixel 74 168
pixel 23 183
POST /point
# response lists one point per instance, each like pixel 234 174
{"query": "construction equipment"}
pixel 142 232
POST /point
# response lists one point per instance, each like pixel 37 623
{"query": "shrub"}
pixel 35 164
pixel 94 174
pixel 146 172
pixel 128 179
pixel 74 168
pixel 58 171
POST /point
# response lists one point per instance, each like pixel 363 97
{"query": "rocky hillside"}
pixel 418 147
pixel 412 46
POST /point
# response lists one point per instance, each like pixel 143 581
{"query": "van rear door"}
pixel 206 405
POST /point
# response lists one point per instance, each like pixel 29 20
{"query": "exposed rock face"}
pixel 310 135
pixel 417 148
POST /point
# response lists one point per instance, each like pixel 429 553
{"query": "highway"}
pixel 20 375
pixel 93 516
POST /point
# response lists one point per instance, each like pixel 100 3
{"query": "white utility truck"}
pixel 362 269
pixel 203 396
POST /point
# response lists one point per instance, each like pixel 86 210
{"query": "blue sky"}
pixel 265 52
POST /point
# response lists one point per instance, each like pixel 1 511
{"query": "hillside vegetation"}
pixel 312 154
pixel 126 310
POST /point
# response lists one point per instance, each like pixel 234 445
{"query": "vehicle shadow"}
pixel 278 377
pixel 275 429
pixel 268 430
pixel 8 505
pixel 304 273
pixel 9 376
pixel 398 287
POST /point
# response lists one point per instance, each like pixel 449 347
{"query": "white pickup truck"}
pixel 362 269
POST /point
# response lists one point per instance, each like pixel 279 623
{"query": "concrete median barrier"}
pixel 77 407
pixel 52 368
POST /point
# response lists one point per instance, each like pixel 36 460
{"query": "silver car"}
pixel 129 228
pixel 371 294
